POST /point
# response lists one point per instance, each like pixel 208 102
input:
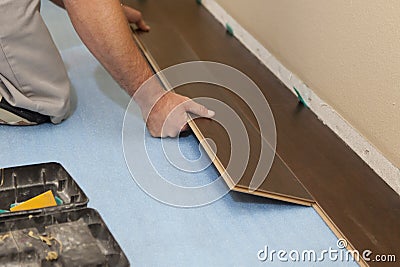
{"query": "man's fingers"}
pixel 142 25
pixel 135 16
pixel 139 21
pixel 198 109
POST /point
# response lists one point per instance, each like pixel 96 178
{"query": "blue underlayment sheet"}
pixel 228 232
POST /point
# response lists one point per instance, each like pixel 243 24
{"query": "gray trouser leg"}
pixel 32 73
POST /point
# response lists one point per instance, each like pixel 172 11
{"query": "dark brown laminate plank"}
pixel 280 181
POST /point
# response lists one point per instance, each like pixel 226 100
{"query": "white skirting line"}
pixel 358 143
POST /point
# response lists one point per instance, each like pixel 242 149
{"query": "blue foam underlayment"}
pixel 228 232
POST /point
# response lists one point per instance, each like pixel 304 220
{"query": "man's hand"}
pixel 134 16
pixel 168 117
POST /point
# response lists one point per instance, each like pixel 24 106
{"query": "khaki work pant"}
pixel 32 73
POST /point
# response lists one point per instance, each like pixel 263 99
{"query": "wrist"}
pixel 148 95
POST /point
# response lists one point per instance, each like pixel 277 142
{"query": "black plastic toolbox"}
pixel 77 235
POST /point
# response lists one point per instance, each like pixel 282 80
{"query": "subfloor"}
pixel 228 232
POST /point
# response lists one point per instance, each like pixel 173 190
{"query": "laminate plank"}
pixel 280 183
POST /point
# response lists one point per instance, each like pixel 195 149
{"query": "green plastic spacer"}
pixel 58 201
pixel 229 29
pixel 300 98
pixel 198 2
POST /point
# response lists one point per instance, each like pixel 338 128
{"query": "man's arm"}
pixel 103 27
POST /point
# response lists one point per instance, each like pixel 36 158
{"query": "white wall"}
pixel 346 51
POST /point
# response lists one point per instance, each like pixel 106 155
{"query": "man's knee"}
pixel 60 106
